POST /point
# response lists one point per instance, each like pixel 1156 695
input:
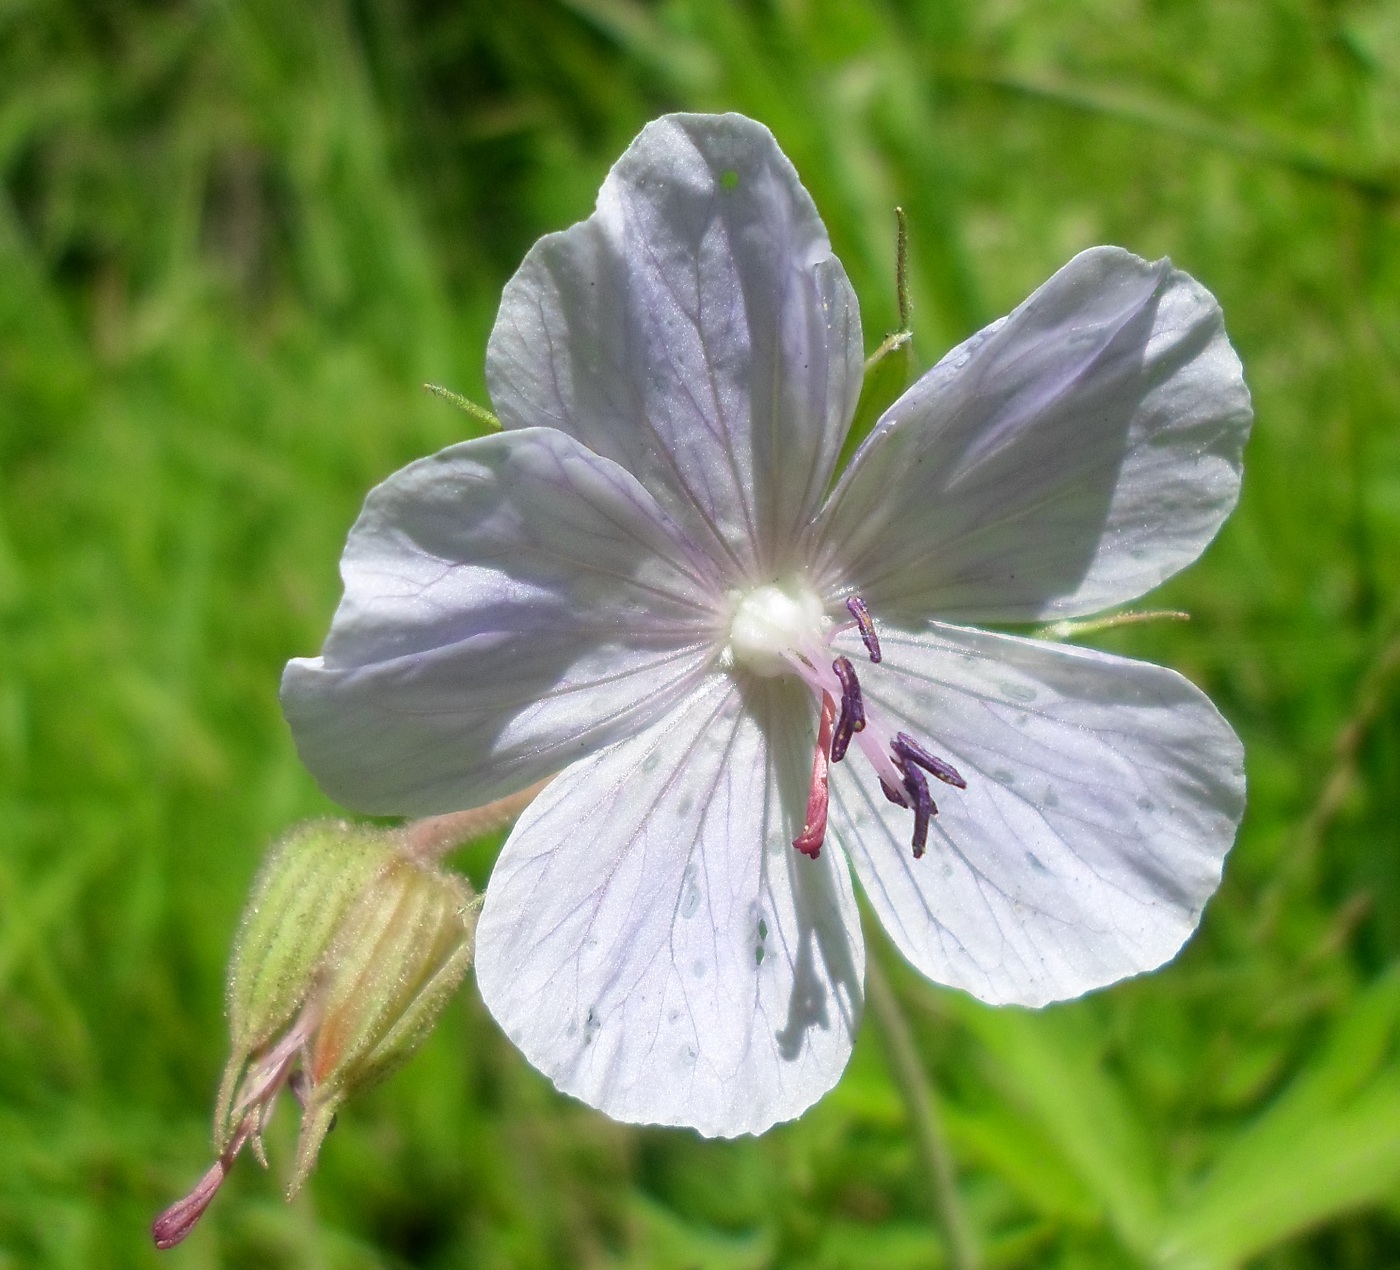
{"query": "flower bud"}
pixel 351 946
pixel 300 895
pixel 399 954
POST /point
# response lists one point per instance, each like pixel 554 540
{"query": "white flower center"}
pixel 782 629
pixel 773 622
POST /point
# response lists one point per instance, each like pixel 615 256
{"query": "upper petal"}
pixel 1065 459
pixel 510 604
pixel 1102 795
pixel 697 329
pixel 650 939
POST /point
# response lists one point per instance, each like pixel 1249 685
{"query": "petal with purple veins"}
pixel 511 604
pixel 652 942
pixel 1068 458
pixel 696 329
pixel 1102 795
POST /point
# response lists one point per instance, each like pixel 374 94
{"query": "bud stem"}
pixel 434 836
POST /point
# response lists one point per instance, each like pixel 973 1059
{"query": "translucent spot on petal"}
pixel 729 179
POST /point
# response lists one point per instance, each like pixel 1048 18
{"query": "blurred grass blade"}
pixel 1049 1064
pixel 1331 1143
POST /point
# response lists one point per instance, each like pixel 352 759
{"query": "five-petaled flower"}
pixel 654 583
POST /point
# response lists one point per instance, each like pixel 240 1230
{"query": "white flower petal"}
pixel 1067 458
pixel 510 604
pixel 653 943
pixel 698 330
pixel 1102 795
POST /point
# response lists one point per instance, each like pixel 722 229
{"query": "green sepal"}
pixel 303 890
pixel 399 955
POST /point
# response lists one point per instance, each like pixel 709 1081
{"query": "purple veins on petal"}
pixel 856 607
pixel 852 718
pixel 913 753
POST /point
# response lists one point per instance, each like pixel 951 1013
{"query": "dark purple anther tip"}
pixel 841 737
pixel 894 795
pixel 912 752
pixel 924 807
pixel 852 704
pixel 852 718
pixel 856 607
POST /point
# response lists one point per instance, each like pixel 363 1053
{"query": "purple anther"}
pixel 924 807
pixel 852 718
pixel 912 752
pixel 852 703
pixel 856 607
pixel 894 795
pixel 841 737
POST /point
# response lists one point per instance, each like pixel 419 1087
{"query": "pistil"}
pixel 813 834
pixel 262 1083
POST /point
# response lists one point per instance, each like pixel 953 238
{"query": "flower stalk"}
pixel 925 1119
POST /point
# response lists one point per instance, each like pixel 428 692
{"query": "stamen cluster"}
pixel 902 763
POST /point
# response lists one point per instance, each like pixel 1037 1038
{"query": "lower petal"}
pixel 1102 795
pixel 650 939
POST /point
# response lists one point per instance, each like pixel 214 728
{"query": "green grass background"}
pixel 235 238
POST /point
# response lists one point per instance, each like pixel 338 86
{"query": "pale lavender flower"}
pixel 645 585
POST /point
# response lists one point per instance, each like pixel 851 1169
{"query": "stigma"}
pixel 782 628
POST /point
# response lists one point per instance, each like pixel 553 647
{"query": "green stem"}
pixel 924 1117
